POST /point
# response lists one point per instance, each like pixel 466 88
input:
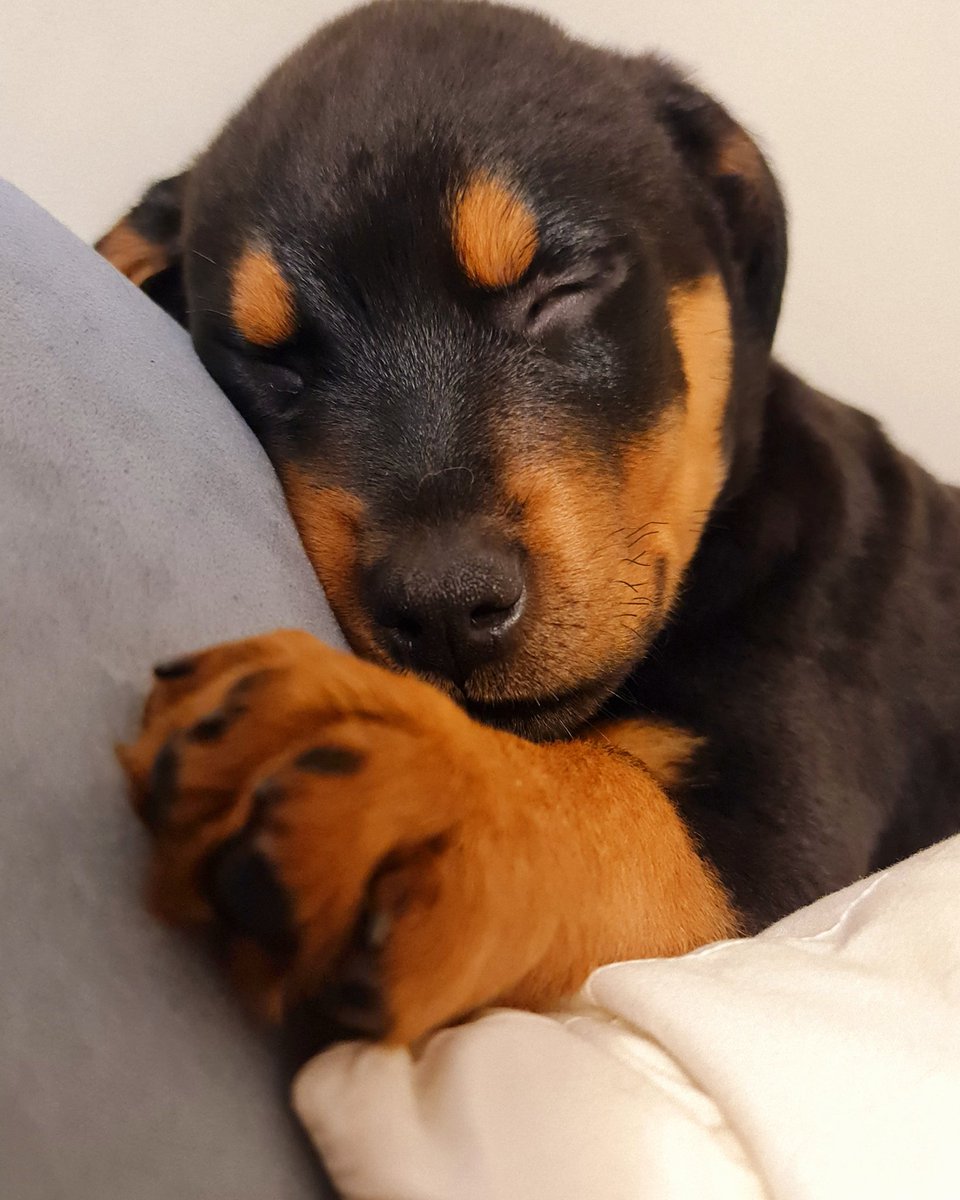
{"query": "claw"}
pixel 174 668
pixel 243 890
pixel 161 786
pixel 378 929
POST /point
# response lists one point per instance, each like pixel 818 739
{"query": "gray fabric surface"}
pixel 138 518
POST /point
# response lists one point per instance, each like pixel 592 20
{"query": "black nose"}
pixel 448 601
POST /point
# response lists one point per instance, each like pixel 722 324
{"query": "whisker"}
pixel 216 312
pixel 649 533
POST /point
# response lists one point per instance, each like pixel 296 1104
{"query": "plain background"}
pixel 856 101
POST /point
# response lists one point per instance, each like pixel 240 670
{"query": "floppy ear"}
pixel 727 160
pixel 145 245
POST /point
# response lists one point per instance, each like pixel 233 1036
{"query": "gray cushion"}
pixel 138 518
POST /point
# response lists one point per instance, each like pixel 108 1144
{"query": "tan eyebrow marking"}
pixel 261 300
pixel 494 232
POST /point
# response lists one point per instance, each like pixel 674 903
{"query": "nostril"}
pixel 487 615
pixel 403 624
pixel 495 616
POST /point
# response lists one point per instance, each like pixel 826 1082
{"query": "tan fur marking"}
pixel 261 301
pixel 674 474
pixel 570 512
pixel 131 253
pixel 328 520
pixel 674 896
pixel 665 750
pixel 494 233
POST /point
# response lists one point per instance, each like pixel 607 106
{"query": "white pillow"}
pixel 820 1059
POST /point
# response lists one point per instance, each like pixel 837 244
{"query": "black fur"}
pixel 816 642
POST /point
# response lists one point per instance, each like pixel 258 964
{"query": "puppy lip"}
pixel 541 713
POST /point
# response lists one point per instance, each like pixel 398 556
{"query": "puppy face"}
pixel 497 305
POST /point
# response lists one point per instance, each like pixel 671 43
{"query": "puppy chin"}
pixel 552 716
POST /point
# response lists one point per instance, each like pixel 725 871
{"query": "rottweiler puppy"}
pixel 656 643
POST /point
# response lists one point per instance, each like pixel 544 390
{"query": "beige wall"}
pixel 857 102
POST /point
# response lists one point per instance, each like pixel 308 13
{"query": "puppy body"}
pixel 500 306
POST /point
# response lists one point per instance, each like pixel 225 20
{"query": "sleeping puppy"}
pixel 656 644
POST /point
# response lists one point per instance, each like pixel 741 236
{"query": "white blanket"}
pixel 819 1060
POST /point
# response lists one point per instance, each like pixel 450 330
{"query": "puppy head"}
pixel 499 307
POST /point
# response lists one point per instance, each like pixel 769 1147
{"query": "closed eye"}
pixel 283 380
pixel 268 378
pixel 558 297
pixel 553 303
